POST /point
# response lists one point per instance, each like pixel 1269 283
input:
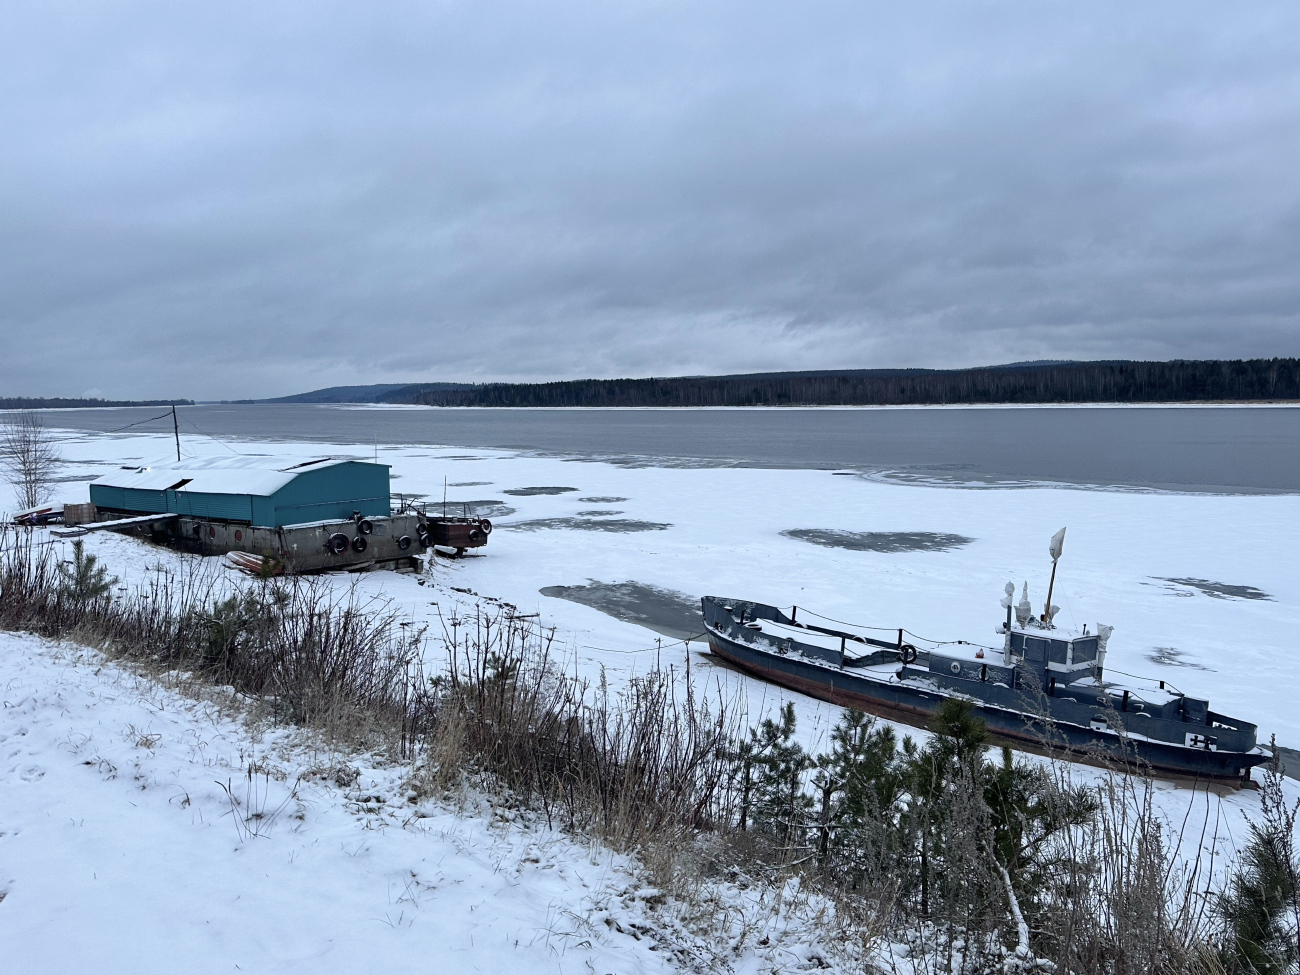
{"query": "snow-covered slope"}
pixel 144 830
pixel 126 845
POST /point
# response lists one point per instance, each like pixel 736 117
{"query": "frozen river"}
pixel 1205 449
pixel 1203 588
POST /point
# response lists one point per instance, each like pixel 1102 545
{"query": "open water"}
pixel 1203 449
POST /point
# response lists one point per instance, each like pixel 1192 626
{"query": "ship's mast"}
pixel 1053 549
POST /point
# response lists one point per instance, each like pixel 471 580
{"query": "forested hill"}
pixel 62 403
pixel 1054 382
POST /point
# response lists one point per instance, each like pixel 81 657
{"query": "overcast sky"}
pixel 220 200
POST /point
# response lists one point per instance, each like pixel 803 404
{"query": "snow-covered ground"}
pixel 143 830
pixel 120 850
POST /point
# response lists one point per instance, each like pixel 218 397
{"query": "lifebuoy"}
pixel 404 542
pixel 359 543
pixel 365 526
pixel 907 653
pixel 338 543
pixel 486 526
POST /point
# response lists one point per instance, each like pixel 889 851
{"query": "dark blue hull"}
pixel 1029 725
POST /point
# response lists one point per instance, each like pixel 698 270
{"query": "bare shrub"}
pixel 645 762
pixel 29 457
pixel 304 652
pixel 1123 898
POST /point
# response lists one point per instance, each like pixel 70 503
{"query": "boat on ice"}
pixel 1044 687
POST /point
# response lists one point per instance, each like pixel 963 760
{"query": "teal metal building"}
pixel 319 490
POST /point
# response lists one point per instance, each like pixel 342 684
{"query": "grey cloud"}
pixel 247 200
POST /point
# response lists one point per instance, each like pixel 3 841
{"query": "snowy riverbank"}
pixel 113 806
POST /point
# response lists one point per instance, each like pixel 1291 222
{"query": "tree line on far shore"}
pixel 64 403
pixel 1072 382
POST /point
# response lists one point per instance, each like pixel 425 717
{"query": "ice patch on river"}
pixel 878 541
pixel 673 614
pixel 1221 590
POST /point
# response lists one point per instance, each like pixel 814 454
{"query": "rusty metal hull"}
pixel 1023 719
pixel 390 541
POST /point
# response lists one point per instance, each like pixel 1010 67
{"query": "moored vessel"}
pixel 1045 687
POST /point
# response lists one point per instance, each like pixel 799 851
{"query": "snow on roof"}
pixel 199 479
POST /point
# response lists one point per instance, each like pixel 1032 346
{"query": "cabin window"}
pixel 1085 649
pixel 1035 649
pixel 1017 642
pixel 1056 651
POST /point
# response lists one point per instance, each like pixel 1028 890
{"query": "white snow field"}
pixel 119 851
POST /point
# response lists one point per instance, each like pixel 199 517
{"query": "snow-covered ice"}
pixel 1160 567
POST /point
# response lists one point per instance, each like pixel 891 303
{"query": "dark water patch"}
pixel 532 492
pixel 1288 760
pixel 469 483
pixel 1220 590
pixel 601 500
pixel 1173 657
pixel 598 513
pixel 673 614
pixel 621 525
pixel 879 541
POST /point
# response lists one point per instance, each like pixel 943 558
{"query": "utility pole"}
pixel 176 429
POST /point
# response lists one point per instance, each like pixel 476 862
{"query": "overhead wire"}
pixel 676 643
pixel 890 629
pixel 210 436
pixel 138 422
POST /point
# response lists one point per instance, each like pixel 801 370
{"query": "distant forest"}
pixel 56 403
pixel 1053 382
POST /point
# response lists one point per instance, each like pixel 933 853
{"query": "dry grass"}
pixel 648 761
pixel 296 650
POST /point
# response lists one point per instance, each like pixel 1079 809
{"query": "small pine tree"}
pixel 84 579
pixel 779 806
pixel 858 784
pixel 1258 908
pixel 1261 907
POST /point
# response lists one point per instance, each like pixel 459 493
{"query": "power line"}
pixel 138 422
pixel 676 643
pixel 210 436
